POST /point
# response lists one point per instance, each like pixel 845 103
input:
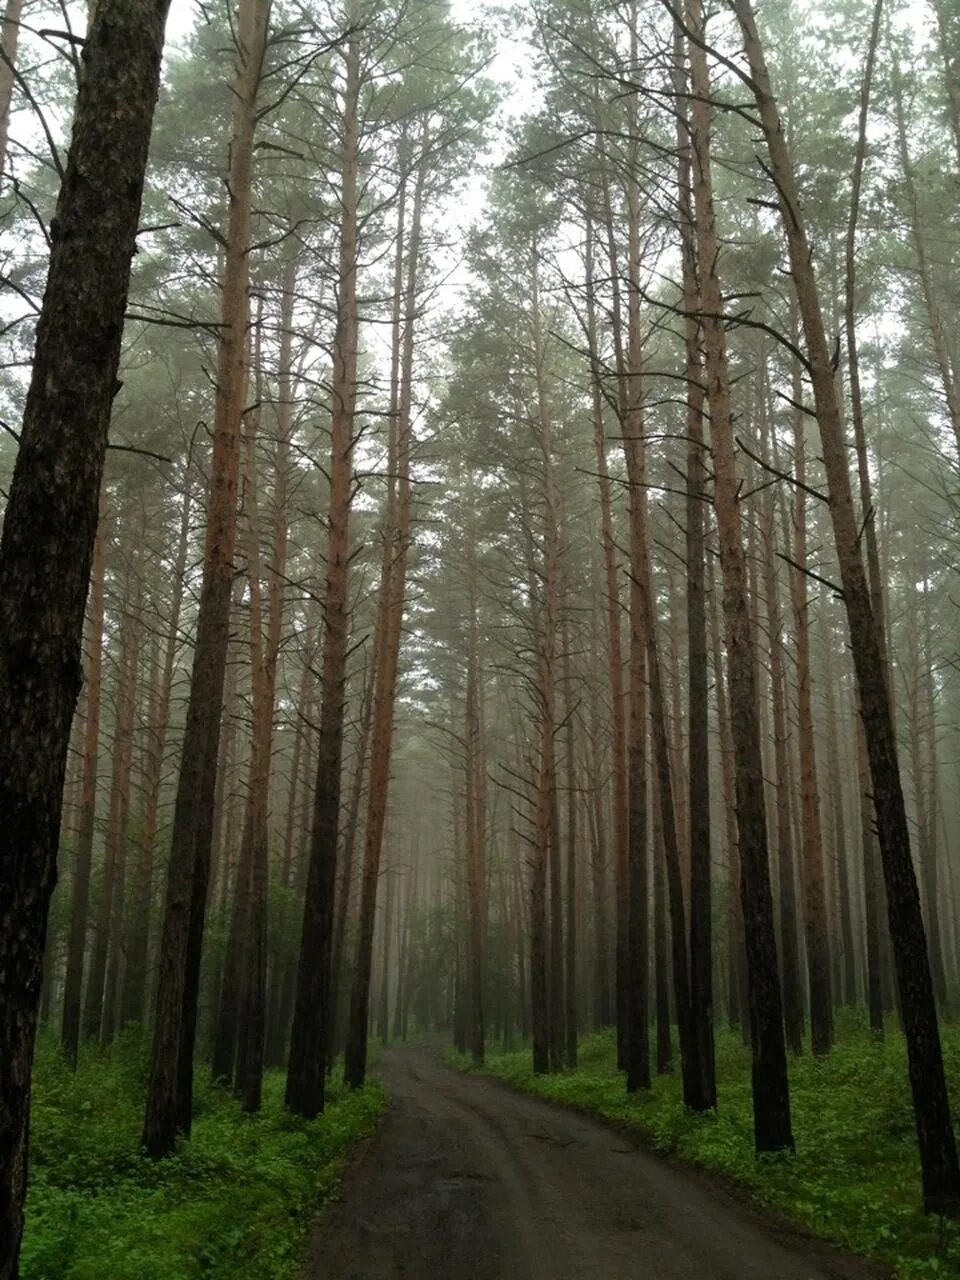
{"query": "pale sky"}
pixel 182 14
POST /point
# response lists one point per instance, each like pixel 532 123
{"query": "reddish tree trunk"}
pixel 170 1091
pixel 311 1016
pixel 396 549
pixel 771 1097
pixel 814 899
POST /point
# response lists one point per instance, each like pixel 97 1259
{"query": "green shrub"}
pixel 236 1201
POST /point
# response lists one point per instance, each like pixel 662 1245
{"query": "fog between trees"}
pixel 492 566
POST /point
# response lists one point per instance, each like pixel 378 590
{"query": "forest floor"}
pixel 471 1180
pixel 236 1202
pixel 855 1177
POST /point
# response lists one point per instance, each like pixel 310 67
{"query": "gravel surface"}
pixel 469 1180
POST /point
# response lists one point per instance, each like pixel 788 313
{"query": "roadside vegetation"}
pixel 854 1177
pixel 235 1203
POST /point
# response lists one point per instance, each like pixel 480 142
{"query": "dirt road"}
pixel 469 1181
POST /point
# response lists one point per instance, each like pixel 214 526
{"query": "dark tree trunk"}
pixel 638 880
pixel 383 1010
pixel 396 547
pixel 117 843
pixel 339 973
pixel 311 1016
pixel 736 975
pixel 571 1012
pixel 793 1012
pixel 135 981
pixel 621 813
pixel 938 1153
pixel 170 1092
pixel 50 525
pixel 702 1091
pixel 814 897
pixel 661 962
pixel 79 906
pixel 297 877
pixel 475 825
pixel 771 1097
pixel 611 602
pixel 845 887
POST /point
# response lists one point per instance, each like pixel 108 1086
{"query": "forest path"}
pixel 468 1180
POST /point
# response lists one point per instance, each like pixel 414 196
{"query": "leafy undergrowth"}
pixel 855 1177
pixel 236 1201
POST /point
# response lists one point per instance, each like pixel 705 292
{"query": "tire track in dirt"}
pixel 468 1180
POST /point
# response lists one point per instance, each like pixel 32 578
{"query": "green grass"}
pixel 237 1201
pixel 855 1177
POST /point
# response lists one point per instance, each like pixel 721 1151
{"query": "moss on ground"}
pixel 237 1201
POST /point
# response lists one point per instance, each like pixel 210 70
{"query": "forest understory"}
pixel 238 1202
pixel 481 509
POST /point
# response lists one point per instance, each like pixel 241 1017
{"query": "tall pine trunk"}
pixel 814 900
pixel 611 603
pixel 118 828
pixel 396 549
pixel 134 1001
pixel 475 819
pixel 771 1096
pixel 311 1016
pixel 50 525
pixel 938 1154
pixel 702 1090
pixel 80 902
pixel 170 1091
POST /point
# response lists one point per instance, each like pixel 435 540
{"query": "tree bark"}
pixel 872 905
pixel 571 1011
pixel 771 1097
pixel 846 888
pixel 133 1003
pixel 612 606
pixel 630 368
pixel 50 525
pixel 793 1010
pixel 345 889
pixel 169 1097
pixel 621 817
pixel 79 906
pixel 546 963
pixel 923 720
pixel 814 901
pixel 118 828
pixel 311 1017
pixel 938 1155
pixel 396 550
pixel 700 1084
pixel 475 819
